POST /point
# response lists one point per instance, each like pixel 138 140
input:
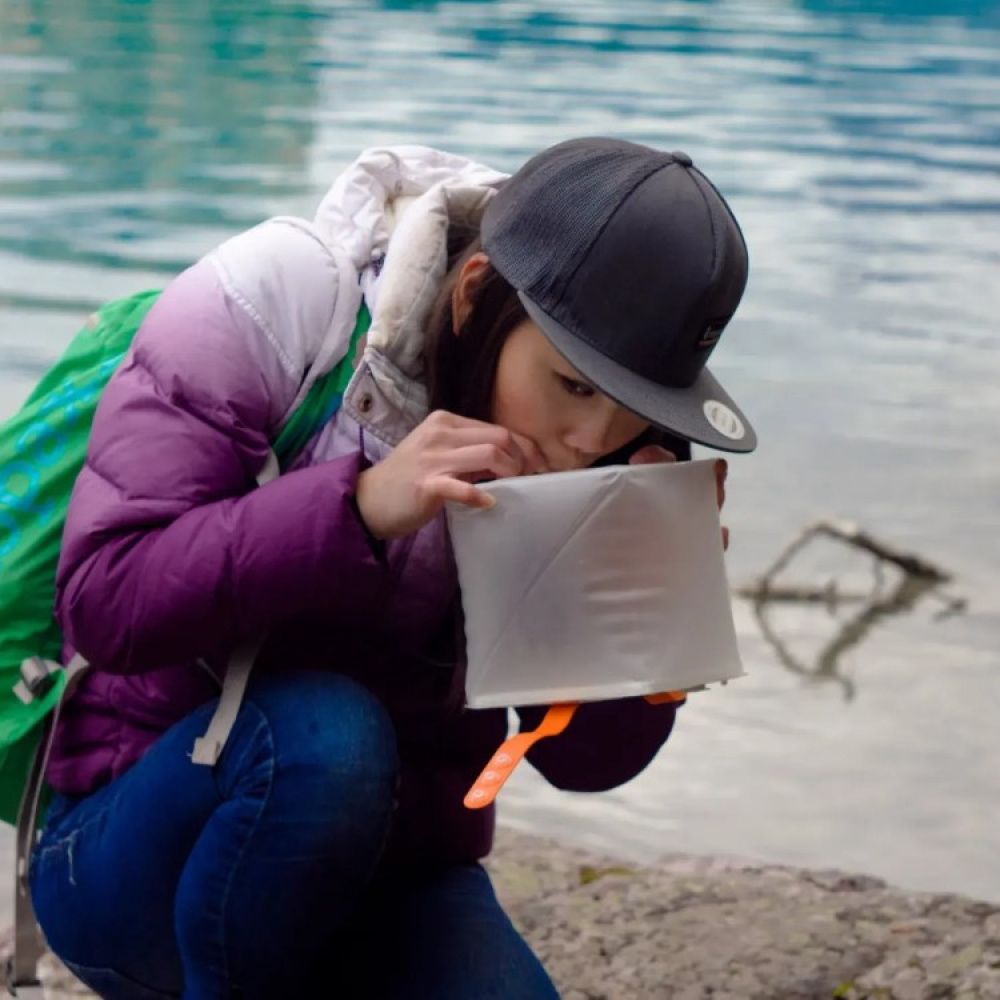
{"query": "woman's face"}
pixel 537 393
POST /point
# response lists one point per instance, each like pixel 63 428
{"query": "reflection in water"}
pixel 826 664
pixel 119 117
pixel 859 141
pixel 975 13
pixel 916 577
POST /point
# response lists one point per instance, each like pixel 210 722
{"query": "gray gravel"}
pixel 727 929
pixel 692 928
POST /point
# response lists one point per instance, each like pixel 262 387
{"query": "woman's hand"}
pixel 652 453
pixel 440 460
pixel 721 471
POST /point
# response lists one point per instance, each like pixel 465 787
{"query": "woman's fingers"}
pixel 534 460
pixel 445 488
pixel 721 471
pixel 479 461
pixel 651 454
pixel 440 460
pixel 524 451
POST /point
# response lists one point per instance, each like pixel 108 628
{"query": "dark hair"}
pixel 462 365
pixel 461 368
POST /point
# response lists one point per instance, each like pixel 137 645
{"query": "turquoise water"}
pixel 860 145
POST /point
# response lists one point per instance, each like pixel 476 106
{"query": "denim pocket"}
pixel 111 985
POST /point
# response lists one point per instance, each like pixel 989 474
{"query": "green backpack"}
pixel 42 449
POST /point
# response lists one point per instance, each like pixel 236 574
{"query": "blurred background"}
pixel 858 143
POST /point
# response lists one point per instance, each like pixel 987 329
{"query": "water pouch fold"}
pixel 597 584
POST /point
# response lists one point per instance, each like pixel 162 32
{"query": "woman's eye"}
pixel 574 387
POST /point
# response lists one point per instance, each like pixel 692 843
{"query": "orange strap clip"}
pixel 511 752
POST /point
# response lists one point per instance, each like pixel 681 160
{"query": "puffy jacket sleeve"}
pixel 169 551
pixel 607 744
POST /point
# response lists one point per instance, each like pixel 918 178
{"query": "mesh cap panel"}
pixel 579 190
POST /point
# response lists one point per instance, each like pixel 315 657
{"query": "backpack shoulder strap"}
pixel 321 403
pixel 29 945
pixel 208 748
pixel 323 399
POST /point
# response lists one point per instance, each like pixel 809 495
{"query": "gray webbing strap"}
pixel 208 748
pixel 29 945
pixel 271 469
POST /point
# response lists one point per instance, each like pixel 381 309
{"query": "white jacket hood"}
pixel 390 214
pixel 396 206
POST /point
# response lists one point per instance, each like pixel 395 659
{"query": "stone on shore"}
pixel 702 927
pixel 693 928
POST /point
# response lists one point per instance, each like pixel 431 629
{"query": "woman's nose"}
pixel 589 440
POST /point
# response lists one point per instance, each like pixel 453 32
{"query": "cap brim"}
pixel 703 413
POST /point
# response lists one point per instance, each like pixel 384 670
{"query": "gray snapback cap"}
pixel 632 264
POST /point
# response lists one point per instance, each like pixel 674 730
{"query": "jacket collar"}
pixel 390 214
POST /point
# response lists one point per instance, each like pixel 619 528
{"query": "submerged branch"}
pixel 918 577
pixel 911 565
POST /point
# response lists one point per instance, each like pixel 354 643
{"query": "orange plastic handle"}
pixel 511 752
pixel 665 697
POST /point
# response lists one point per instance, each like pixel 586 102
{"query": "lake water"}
pixel 859 144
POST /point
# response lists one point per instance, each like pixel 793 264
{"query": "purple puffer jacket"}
pixel 171 555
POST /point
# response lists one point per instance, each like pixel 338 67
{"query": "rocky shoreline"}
pixel 699 927
pixel 692 928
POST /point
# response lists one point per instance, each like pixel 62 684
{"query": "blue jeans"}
pixel 261 877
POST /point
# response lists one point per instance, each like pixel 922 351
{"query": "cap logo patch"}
pixel 722 418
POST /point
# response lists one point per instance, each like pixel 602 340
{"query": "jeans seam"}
pixel 81 971
pixel 62 844
pixel 263 727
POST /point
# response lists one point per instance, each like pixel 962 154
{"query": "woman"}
pixel 547 322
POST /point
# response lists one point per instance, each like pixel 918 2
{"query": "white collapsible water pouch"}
pixel 603 583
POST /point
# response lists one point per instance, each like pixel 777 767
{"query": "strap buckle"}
pixel 37 678
pixel 26 989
